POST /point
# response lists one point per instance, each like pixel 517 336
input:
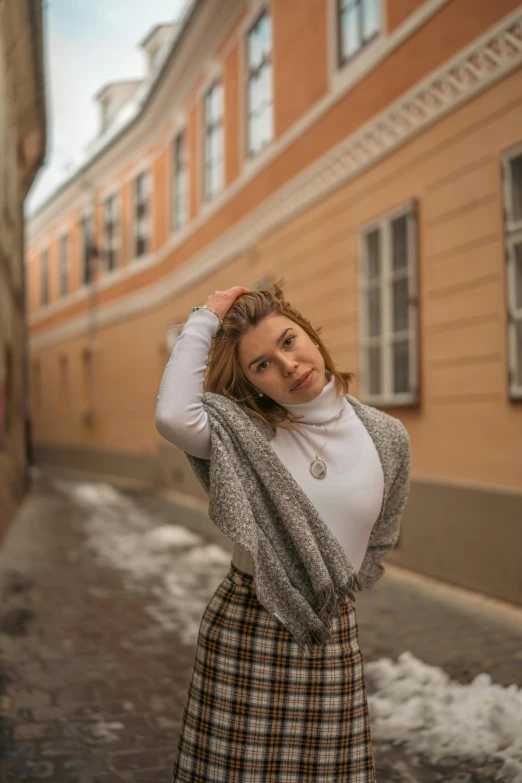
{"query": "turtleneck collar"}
pixel 323 408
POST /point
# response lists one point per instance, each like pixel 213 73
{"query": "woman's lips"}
pixel 304 383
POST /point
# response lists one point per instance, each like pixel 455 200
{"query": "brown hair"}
pixel 224 375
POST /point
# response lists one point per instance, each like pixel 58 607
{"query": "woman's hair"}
pixel 224 375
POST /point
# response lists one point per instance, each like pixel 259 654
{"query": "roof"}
pixel 108 86
pixel 143 43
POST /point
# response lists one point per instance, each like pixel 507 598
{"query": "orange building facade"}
pixel 369 152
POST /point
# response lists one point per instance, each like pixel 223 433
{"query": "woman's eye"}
pixel 260 365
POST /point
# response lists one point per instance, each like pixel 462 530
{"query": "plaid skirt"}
pixel 258 711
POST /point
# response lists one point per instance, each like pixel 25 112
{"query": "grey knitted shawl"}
pixel 302 573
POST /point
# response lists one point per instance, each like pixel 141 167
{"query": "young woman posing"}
pixel 309 483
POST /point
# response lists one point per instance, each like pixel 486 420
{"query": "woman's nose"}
pixel 289 364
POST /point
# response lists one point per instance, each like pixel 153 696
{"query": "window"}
pixel 358 23
pixel 512 177
pixel 179 181
pixel 111 232
pixel 64 265
pixel 213 140
pixel 388 288
pixel 44 279
pixel 260 85
pixel 87 247
pixel 141 214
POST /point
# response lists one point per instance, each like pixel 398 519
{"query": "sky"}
pixel 88 44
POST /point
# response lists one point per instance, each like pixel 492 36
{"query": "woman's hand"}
pixel 222 301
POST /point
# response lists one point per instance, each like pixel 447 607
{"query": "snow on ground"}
pixel 176 570
pixel 412 702
pixel 435 716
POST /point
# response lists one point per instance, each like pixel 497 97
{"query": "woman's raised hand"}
pixel 222 301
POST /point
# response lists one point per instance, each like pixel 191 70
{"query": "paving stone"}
pixel 29 699
pixel 153 775
pixel 61 747
pixel 27 770
pixel 29 731
pixel 18 750
pixel 137 759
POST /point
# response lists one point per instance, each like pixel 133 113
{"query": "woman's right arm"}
pixel 180 416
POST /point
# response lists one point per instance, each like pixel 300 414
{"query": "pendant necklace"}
pixel 318 467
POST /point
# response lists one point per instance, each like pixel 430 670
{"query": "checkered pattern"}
pixel 258 711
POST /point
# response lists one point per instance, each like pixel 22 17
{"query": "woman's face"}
pixel 275 354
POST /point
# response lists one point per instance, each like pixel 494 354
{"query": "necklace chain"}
pixel 313 424
pixel 322 467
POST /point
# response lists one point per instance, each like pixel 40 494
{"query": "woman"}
pixel 262 705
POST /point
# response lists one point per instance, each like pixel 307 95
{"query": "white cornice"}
pixel 479 66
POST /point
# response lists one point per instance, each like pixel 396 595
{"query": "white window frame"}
pixel 513 240
pixel 148 179
pixel 209 195
pixel 44 253
pixel 266 61
pixel 112 243
pixel 179 197
pixel 342 61
pixel 63 263
pixel 387 396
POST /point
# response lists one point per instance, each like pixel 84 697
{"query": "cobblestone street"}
pixel 97 638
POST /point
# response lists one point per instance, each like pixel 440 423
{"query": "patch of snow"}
pixel 175 569
pixel 435 716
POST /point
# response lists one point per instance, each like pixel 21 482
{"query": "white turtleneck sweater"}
pixel 348 499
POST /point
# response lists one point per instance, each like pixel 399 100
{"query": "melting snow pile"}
pixel 176 570
pixel 420 705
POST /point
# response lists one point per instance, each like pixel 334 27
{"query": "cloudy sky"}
pixel 87 45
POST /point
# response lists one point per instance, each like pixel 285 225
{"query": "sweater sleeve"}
pixel 180 417
pixel 385 536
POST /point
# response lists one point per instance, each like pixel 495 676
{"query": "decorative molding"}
pixel 490 58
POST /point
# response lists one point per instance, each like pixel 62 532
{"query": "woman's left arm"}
pixel 384 536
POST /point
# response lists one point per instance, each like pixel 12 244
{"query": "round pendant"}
pixel 318 469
